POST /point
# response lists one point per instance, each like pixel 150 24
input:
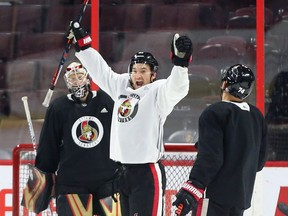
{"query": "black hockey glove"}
pixel 181 50
pixel 187 198
pixel 80 37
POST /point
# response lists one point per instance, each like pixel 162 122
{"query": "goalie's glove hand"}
pixel 181 50
pixel 187 198
pixel 80 37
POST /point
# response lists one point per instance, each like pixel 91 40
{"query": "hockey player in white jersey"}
pixel 142 104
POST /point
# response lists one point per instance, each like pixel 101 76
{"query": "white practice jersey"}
pixel 138 115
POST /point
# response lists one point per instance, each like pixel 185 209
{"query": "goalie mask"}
pixel 240 81
pixel 145 58
pixel 77 80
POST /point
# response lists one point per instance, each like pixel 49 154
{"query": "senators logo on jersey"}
pixel 128 108
pixel 87 131
pixel 125 108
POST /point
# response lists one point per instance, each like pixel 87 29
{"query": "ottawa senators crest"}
pixel 87 131
pixel 125 108
pixel 128 108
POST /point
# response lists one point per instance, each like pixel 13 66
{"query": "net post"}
pixel 16 171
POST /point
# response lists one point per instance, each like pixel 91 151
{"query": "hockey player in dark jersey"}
pixel 74 145
pixel 231 150
pixel 142 105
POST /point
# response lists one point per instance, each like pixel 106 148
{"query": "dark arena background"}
pixel 224 32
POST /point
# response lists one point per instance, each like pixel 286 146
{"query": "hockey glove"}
pixel 181 50
pixel 80 37
pixel 187 198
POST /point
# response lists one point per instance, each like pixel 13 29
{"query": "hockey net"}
pixel 178 159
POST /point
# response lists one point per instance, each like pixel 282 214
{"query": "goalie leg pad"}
pixel 108 206
pixel 38 190
pixel 74 204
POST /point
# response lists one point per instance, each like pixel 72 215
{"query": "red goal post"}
pixel 177 160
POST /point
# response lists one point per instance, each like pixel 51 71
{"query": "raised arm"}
pixel 97 67
pixel 177 85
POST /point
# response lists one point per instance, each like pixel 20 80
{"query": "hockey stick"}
pixel 62 60
pixel 29 120
pixel 33 138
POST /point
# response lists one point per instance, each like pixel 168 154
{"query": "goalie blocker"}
pixel 37 193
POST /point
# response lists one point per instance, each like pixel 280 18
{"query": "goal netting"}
pixel 178 159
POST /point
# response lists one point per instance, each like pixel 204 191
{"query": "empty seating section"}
pixel 191 20
pixel 111 45
pixel 219 56
pixel 111 17
pixel 199 87
pixel 246 18
pixel 3 76
pixel 29 18
pixel 36 44
pixel 31 78
pixel 136 17
pixel 186 16
pixel 28 2
pixel 6 46
pixel 54 2
pixel 59 16
pixel 132 17
pixel 245 48
pixel 113 2
pixel 140 16
pixel 242 22
pixel 155 42
pixel 154 17
pixel 6 18
pixel 236 42
pixel 21 76
pixel 251 11
pixel 209 72
pixel 160 19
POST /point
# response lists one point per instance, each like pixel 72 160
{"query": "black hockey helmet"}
pixel 240 80
pixel 145 58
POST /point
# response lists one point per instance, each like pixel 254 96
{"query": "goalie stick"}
pixel 29 120
pixel 62 60
pixel 32 168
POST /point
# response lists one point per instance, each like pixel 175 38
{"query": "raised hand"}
pixel 79 36
pixel 181 50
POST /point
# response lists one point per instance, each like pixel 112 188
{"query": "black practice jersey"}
pixel 74 140
pixel 231 149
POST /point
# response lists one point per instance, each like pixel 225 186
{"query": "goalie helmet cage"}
pixel 177 160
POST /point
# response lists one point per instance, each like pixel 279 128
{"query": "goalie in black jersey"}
pixel 231 150
pixel 74 145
